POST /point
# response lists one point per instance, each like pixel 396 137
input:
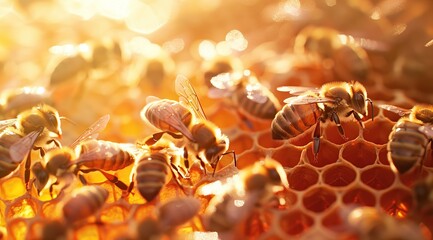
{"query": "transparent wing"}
pixel 93 131
pixel 255 92
pixel 188 96
pixel 400 111
pixel 218 93
pixel 305 99
pixel 150 99
pixel 427 130
pixel 20 149
pixel 6 123
pixel 226 80
pixel 297 90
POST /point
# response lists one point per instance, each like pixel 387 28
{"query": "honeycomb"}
pixel 138 48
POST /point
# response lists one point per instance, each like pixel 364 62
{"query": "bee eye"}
pixel 52 119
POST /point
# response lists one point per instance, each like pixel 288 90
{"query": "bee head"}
pixel 51 119
pixel 359 99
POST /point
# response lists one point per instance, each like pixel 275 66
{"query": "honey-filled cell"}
pixel 296 222
pixel 17 230
pixel 265 140
pixel 339 175
pixel 241 143
pixel 257 223
pixel 318 199
pixel 249 158
pixel 288 156
pixel 302 177
pixel 383 156
pixel 24 207
pixel 359 196
pixel 359 153
pixel 88 232
pixel 328 154
pixel 12 188
pixel 397 202
pixel 378 177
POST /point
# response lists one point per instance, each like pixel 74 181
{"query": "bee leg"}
pixel 52 188
pixel 185 158
pixel 57 143
pixel 27 172
pixel 234 156
pixel 357 117
pixel 41 150
pixel 202 164
pixel 336 119
pixel 110 177
pixel 174 169
pixel 316 140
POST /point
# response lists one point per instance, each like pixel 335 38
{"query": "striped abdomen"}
pixel 161 113
pixel 152 175
pixel 85 202
pixel 406 146
pixel 266 110
pixel 104 155
pixel 293 120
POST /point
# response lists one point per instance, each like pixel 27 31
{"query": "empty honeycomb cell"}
pixel 12 188
pixel 114 214
pixel 328 154
pixel 302 177
pixel 296 222
pixel 225 118
pixel 377 131
pixel 88 231
pixel 383 156
pixel 359 153
pixel 18 229
pixel 397 202
pixel 288 156
pixel 339 175
pixel 23 207
pixel 241 143
pixel 351 130
pixel 265 140
pixel 359 196
pixel 248 158
pixel 378 177
pixel 318 199
pixel 302 139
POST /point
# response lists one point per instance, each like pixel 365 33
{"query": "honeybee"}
pixel 332 101
pixel 246 92
pixel 349 60
pixel 170 215
pixel 218 65
pixel 423 196
pixel 371 223
pixel 187 118
pixel 253 187
pixel 409 137
pixel 16 100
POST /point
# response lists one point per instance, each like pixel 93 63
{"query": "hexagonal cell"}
pixel 18 229
pixel 377 131
pixel 359 196
pixel 265 140
pixel 334 221
pixel 397 202
pixel 12 188
pixel 328 154
pixel 359 153
pixel 303 139
pixel 378 177
pixel 224 118
pixel 302 177
pixel 339 175
pixel 383 156
pixel 241 143
pixel 296 222
pixel 248 158
pixel 288 156
pixel 257 223
pixel 351 130
pixel 319 199
pixel 24 207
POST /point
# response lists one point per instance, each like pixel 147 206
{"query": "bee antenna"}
pixel 68 120
pixel 371 106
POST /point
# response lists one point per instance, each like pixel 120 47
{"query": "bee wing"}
pixel 6 123
pixel 93 131
pixel 188 96
pixel 297 90
pixel 400 111
pixel 150 99
pixel 255 92
pixel 218 93
pixel 22 147
pixel 427 130
pixel 305 99
pixel 226 80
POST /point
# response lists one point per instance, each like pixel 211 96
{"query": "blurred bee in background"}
pixel 344 54
pixel 186 118
pixel 423 196
pixel 409 137
pixel 245 92
pixel 371 223
pixel 16 100
pixel 169 217
pixel 85 151
pixel 253 187
pixel 312 106
pixel 217 65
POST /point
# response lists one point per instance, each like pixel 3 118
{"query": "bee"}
pixel 246 92
pixel 409 137
pixel 371 223
pixel 170 215
pixel 423 196
pixel 348 57
pixel 186 118
pixel 253 187
pixel 218 65
pixel 86 154
pixel 16 100
pixel 312 106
